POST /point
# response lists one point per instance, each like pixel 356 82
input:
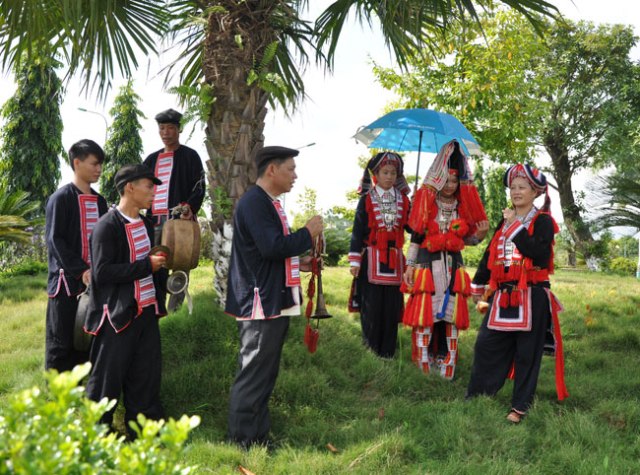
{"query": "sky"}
pixel 338 104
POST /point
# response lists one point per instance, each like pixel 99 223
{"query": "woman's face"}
pixel 450 187
pixel 386 176
pixel 522 193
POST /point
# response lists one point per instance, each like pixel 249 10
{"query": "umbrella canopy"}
pixel 421 130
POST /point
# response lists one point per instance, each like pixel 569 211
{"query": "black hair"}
pixel 278 161
pixel 82 149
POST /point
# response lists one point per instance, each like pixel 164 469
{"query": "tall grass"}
pixel 385 417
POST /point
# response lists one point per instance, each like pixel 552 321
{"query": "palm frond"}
pixel 90 35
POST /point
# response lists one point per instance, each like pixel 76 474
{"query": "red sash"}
pixel 139 246
pixel 164 167
pixel 291 264
pixel 88 218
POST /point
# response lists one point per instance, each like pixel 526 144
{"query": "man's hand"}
pixel 86 277
pixel 483 229
pixel 355 270
pixel 187 213
pixel 157 262
pixel 306 264
pixel 314 226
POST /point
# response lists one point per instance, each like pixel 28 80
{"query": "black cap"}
pixel 273 152
pixel 130 173
pixel 169 117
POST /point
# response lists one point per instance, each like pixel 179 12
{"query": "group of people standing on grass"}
pixel 109 252
pixel 511 283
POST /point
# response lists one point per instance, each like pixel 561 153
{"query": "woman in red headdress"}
pixel 375 254
pixel 447 215
pixel 516 267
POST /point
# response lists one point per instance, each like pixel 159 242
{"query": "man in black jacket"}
pixel 180 170
pixel 71 214
pixel 264 290
pixel 124 311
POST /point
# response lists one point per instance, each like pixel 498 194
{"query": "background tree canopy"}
pixel 573 94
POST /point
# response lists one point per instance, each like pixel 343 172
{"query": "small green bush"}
pixel 57 431
pixel 27 267
pixel 622 266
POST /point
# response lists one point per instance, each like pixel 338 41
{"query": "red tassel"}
pixel 504 299
pixel 311 337
pixel 429 286
pixel 407 316
pixel 309 310
pixel 462 313
pixel 515 298
pixel 512 371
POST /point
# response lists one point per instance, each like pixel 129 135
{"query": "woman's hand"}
pixel 408 275
pixel 482 229
pixel 355 270
pixel 509 215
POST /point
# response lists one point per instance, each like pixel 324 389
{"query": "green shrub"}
pixel 27 267
pixel 56 431
pixel 623 266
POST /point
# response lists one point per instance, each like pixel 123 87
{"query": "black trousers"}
pixel 128 363
pixel 495 352
pixel 261 343
pixel 380 311
pixel 59 351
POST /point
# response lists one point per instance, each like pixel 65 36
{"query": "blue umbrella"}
pixel 411 130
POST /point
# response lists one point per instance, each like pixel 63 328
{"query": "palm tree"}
pixel 618 195
pixel 236 55
pixel 14 209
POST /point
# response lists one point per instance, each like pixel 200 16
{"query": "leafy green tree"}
pixel 573 95
pixel 32 134
pixel 308 205
pixel 247 53
pixel 496 196
pixel 124 144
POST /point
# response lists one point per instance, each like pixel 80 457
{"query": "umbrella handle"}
pixel 415 184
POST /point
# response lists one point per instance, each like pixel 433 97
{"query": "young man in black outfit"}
pixel 124 309
pixel 71 214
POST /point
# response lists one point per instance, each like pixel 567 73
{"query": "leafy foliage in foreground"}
pixel 384 417
pixel 56 431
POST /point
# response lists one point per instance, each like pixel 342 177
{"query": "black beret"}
pixel 130 173
pixel 169 117
pixel 273 152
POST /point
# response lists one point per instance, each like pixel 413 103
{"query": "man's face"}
pixel 87 170
pixel 284 175
pixel 170 135
pixel 141 193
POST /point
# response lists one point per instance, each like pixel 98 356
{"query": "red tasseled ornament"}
pixel 462 312
pixel 512 371
pixel 515 298
pixel 470 197
pixel 504 299
pixel 407 316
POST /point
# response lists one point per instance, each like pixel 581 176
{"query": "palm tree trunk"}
pixel 234 130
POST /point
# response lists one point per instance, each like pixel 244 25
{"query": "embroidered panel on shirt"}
pixel 164 167
pixel 381 209
pixel 89 215
pixel 291 264
pixel 139 246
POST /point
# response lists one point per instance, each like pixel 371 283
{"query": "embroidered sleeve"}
pixel 537 245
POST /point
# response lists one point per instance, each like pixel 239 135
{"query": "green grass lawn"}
pixel 385 417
